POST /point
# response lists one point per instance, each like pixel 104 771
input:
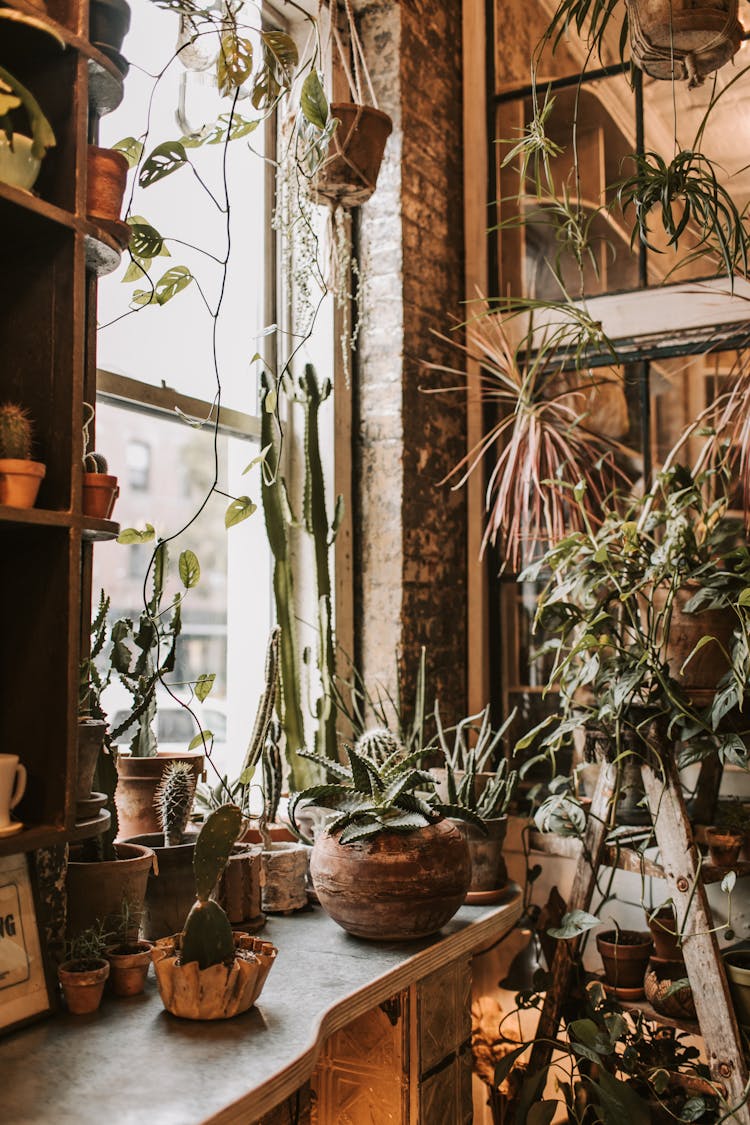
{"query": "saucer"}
pixel 11 829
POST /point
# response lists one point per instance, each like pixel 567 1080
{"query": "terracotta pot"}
pixel 129 965
pixel 724 846
pixel 706 668
pixel 683 38
pixel 138 780
pixel 488 870
pixel 17 166
pixel 348 175
pixel 661 975
pixel 20 481
pixel 83 987
pixel 394 886
pixel 625 957
pixel 240 892
pixel 737 965
pixel 100 491
pixel 96 891
pixel 216 993
pixel 663 927
pixel 107 176
pixel 170 889
pixel 90 741
pixel 109 23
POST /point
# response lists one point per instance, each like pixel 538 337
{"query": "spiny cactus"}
pixel 378 745
pixel 174 801
pixel 266 704
pixel 15 432
pixel 95 463
pixel 271 780
pixel 207 936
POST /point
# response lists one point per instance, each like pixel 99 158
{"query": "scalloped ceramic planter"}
pixel 219 992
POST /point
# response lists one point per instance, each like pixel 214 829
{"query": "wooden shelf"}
pixel 92 530
pixel 36 206
pixel 99 531
pixel 648 1011
pixel 36 836
pixel 103 251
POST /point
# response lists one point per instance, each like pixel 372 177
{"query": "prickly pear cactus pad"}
pixel 217 993
pixel 213 846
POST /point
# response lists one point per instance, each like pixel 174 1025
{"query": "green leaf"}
pixel 204 684
pixel 7 101
pixel 133 535
pixel 171 283
pixel 146 242
pixel 239 510
pixel 284 50
pixel 619 1102
pixel 269 402
pixel 542 1113
pixel 235 62
pixel 203 738
pixel 727 883
pixel 574 924
pixel 165 159
pixel 131 149
pixel 189 569
pixel 136 271
pixel 693 1109
pixel 504 1066
pixel 313 101
pixel 257 460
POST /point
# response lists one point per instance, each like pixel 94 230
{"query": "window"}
pixel 138 461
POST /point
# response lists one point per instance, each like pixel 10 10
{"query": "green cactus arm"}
pixel 213 847
pixel 266 705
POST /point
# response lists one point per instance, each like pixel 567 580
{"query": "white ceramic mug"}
pixel 12 786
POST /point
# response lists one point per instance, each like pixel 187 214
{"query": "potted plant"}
pixel 129 958
pixel 20 477
pixel 20 155
pixel 664 932
pixel 625 955
pixel 100 488
pixel 460 758
pixel 724 845
pixel 207 971
pixel 92 722
pixel 387 867
pixel 737 965
pixel 84 971
pixel 107 172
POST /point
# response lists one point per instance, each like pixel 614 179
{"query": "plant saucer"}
pixel 623 993
pixel 485 898
pixel 11 829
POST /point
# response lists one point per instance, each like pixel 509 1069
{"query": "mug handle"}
pixel 20 785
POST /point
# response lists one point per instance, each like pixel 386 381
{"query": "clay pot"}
pixel 20 480
pixel 107 176
pixel 129 965
pixel 90 741
pixel 348 175
pixel 706 668
pixel 83 986
pixel 489 875
pixel 724 846
pixel 17 166
pixel 661 974
pixel 138 780
pixel 170 889
pixel 240 892
pixel 737 965
pixel 96 891
pixel 625 957
pixel 663 927
pixel 109 23
pixel 683 38
pixel 393 886
pixel 216 993
pixel 100 490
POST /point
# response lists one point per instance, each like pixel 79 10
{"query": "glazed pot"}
pixel 138 780
pixel 170 888
pixel 100 490
pixel 17 166
pixel 109 23
pixel 107 176
pixel 20 480
pixel 216 993
pixel 97 891
pixel 625 956
pixel 348 175
pixel 129 965
pixel 83 985
pixel 724 846
pixel 90 741
pixel 392 886
pixel 489 875
pixel 663 927
pixel 683 38
pixel 705 669
pixel 737 965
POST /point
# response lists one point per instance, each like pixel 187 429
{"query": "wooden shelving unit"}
pixel 51 256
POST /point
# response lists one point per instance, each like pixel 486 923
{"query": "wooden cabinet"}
pixel 50 257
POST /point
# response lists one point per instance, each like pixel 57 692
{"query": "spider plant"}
pixel 590 18
pixel 539 433
pixel 534 149
pixel 691 201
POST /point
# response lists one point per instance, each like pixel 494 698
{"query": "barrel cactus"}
pixel 379 744
pixel 15 432
pixel 174 801
pixel 95 463
pixel 207 936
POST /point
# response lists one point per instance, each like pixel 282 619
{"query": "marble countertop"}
pixel 133 1064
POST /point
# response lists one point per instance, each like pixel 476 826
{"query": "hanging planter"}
pixel 681 40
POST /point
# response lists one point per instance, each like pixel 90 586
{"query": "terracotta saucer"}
pixel 11 829
pixel 623 993
pixel 482 898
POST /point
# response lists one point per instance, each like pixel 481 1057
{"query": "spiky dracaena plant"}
pixel 174 801
pixel 207 935
pixel 15 432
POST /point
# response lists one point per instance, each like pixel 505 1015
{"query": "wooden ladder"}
pixel 681 864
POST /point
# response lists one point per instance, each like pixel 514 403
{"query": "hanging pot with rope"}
pixel 683 39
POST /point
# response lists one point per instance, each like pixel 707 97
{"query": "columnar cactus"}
pixel 15 432
pixel 207 936
pixel 174 801
pixel 378 744
pixel 271 781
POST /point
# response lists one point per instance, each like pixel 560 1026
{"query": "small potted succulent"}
pixel 20 477
pixel 21 155
pixel 208 971
pixel 84 971
pixel 129 958
pixel 100 487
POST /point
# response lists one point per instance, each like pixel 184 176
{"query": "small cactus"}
pixel 379 744
pixel 207 936
pixel 95 463
pixel 15 432
pixel 174 801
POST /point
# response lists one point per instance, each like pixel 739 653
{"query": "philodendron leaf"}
pixel 574 924
pixel 235 62
pixel 145 242
pixel 257 460
pixel 504 1066
pixel 133 535
pixel 165 159
pixel 239 510
pixel 204 684
pixel 172 282
pixel 189 569
pixel 313 101
pixel 284 50
pixel 131 149
pixel 727 883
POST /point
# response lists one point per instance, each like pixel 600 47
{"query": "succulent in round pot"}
pixel 625 955
pixel 84 971
pixel 387 867
pixel 207 971
pixel 20 477
pixel 724 845
pixel 21 156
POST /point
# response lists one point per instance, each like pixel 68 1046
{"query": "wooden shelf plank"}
pixel 93 530
pixel 35 836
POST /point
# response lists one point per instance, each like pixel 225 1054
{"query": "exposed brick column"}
pixel 411 547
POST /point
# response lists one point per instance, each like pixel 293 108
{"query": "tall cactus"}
pixel 266 703
pixel 174 801
pixel 271 781
pixel 207 936
pixel 15 432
